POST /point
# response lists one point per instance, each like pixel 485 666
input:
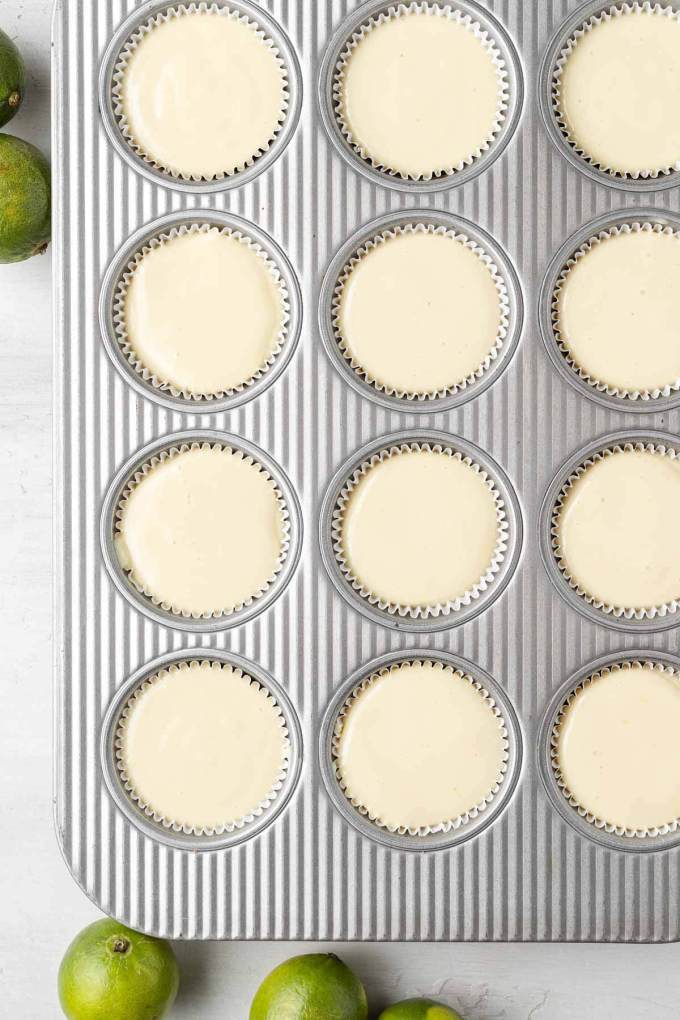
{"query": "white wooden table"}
pixel 40 906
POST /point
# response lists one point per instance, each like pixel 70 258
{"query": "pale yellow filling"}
pixel 419 312
pixel 203 746
pixel 618 748
pixel 202 531
pixel 420 746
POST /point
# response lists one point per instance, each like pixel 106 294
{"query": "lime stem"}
pixel 14 100
pixel 120 945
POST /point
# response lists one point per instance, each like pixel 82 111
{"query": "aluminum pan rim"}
pixel 434 841
pixel 513 63
pixel 142 603
pixel 450 221
pixel 261 164
pixel 427 625
pixel 115 270
pixel 146 825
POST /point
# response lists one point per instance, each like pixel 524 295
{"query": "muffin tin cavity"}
pixel 377 26
pixel 265 130
pixel 147 587
pixel 252 685
pixel 476 694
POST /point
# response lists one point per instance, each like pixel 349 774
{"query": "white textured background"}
pixel 40 906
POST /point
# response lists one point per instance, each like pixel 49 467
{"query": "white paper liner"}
pixel 625 612
pixel 448 824
pixel 421 611
pixel 230 825
pixel 601 823
pixel 633 227
pixel 149 466
pixel 176 11
pixel 389 235
pixel 399 10
pixel 127 344
pixel 616 10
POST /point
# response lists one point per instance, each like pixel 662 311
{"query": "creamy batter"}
pixel 202 531
pixel 203 312
pixel 420 94
pixel 620 89
pixel 619 311
pixel 420 528
pixel 618 530
pixel 203 94
pixel 419 312
pixel 618 748
pixel 203 746
pixel 420 746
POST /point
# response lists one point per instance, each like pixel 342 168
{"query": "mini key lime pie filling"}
pixel 201 311
pixel 616 310
pixel 420 530
pixel 420 311
pixel 616 89
pixel 200 92
pixel 616 751
pixel 202 530
pixel 420 748
pixel 420 92
pixel 615 530
pixel 202 747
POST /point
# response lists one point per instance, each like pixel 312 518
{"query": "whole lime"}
pixel 317 986
pixel 12 79
pixel 419 1009
pixel 24 200
pixel 110 972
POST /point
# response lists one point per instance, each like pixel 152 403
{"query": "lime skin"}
pixel 317 986
pixel 12 79
pixel 419 1009
pixel 24 200
pixel 110 972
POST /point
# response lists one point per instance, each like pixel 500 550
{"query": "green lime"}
pixel 24 200
pixel 12 79
pixel 314 987
pixel 419 1009
pixel 110 972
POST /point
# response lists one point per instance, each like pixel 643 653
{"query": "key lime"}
pixel 419 1009
pixel 24 200
pixel 314 987
pixel 110 972
pixel 12 79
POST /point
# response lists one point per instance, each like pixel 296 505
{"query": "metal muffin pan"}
pixel 116 269
pixel 636 214
pixel 141 602
pixel 138 16
pixel 495 30
pixel 312 873
pixel 436 218
pixel 438 840
pixel 168 836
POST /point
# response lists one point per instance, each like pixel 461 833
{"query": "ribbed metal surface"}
pixel 310 875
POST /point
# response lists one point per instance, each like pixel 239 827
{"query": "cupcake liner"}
pixel 440 608
pixel 160 458
pixel 447 825
pixel 600 823
pixel 169 823
pixel 399 10
pixel 127 345
pixel 391 234
pixel 627 613
pixel 177 11
pixel 616 10
pixel 605 235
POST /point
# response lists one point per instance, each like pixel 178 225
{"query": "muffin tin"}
pixel 528 867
